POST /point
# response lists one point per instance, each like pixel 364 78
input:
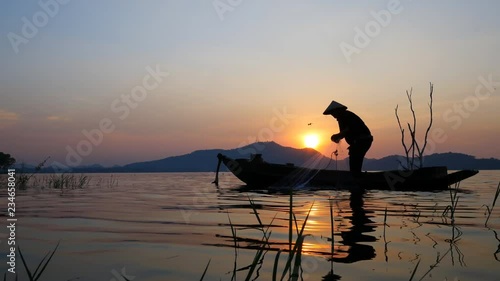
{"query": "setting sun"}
pixel 311 141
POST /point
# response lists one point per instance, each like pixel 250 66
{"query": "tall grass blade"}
pixel 233 232
pixel 414 271
pixel 252 204
pixel 332 225
pixel 290 223
pixel 258 255
pixel 235 240
pixel 296 224
pixel 292 253
pixel 490 210
pixel 385 219
pixel 275 267
pixel 25 265
pixel 41 266
pixel 255 262
pixel 496 195
pixel 206 268
pixel 298 259
pixel 46 263
pixel 434 265
pixel 385 216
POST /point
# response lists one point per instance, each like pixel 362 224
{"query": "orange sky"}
pixel 202 79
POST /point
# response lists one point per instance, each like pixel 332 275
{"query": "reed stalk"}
pixel 414 271
pixel 332 230
pixel 205 271
pixel 235 241
pixel 431 267
pixel 490 210
pixel 259 255
pixel 293 264
pixel 290 219
pixel 275 267
pixel 385 240
pixel 385 219
pixel 298 244
pixel 41 266
pixel 453 203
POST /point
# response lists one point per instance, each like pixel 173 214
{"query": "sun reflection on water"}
pixel 154 225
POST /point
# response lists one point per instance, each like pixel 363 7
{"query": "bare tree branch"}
pixel 415 148
pixel 414 129
pixel 403 139
pixel 421 152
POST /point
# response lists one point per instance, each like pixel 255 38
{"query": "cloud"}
pixel 58 118
pixel 8 116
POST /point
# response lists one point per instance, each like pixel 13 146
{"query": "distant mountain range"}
pixel 206 161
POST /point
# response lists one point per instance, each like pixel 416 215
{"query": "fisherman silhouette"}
pixel 355 132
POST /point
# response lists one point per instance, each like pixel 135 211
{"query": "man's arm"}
pixel 337 137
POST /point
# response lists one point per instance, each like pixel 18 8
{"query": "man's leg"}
pixel 357 153
pixel 355 160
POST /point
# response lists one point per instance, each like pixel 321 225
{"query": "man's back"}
pixel 354 126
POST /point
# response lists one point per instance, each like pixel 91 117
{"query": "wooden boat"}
pixel 257 173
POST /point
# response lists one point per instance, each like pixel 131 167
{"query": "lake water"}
pixel 168 226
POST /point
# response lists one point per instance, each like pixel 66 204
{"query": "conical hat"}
pixel 334 106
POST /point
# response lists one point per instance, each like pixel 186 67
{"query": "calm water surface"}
pixel 168 226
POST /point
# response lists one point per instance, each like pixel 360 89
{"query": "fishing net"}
pixel 305 172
